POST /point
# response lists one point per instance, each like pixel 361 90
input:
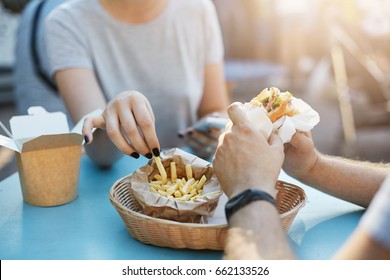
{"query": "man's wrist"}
pixel 311 174
pixel 268 188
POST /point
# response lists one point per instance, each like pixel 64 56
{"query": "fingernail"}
pixel 156 152
pixel 135 155
pixel 149 155
pixel 86 139
pixel 180 135
pixel 189 132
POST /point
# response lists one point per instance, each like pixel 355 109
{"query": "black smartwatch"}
pixel 239 201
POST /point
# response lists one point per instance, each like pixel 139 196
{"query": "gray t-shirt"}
pixel 164 59
pixel 376 221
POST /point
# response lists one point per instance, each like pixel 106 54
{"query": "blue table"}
pixel 90 228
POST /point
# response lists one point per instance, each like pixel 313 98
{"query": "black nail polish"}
pixel 135 155
pixel 156 152
pixel 180 135
pixel 149 155
pixel 86 139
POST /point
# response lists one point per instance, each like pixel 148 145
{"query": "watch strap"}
pixel 244 198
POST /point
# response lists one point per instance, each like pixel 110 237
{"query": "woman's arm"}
pixel 81 94
pixel 80 91
pixel 213 104
pixel 215 97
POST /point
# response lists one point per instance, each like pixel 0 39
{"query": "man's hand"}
pixel 300 155
pixel 245 159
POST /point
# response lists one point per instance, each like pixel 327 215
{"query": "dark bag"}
pixel 15 6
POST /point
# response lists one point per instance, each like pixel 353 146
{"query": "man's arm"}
pixel 361 246
pixel 255 232
pixel 371 240
pixel 245 159
pixel 351 180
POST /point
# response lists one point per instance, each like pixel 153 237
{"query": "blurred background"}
pixel 334 54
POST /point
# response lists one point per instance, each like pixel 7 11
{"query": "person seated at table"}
pixel 246 160
pixel 154 66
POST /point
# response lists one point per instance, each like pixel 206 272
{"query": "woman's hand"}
pixel 245 159
pixel 300 155
pixel 129 122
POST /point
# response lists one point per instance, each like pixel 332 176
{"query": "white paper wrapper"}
pixel 159 206
pixel 304 120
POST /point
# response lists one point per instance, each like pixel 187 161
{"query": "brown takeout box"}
pixel 47 156
pixel 158 206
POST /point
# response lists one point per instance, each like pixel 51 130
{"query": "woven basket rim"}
pixel 297 207
pixel 195 225
pixel 158 220
pixel 199 236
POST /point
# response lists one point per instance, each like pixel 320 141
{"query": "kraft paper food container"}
pixel 47 156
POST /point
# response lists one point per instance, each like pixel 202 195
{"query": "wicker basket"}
pixel 166 233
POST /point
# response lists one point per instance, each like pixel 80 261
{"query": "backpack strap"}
pixel 34 49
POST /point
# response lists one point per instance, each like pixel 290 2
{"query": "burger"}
pixel 275 103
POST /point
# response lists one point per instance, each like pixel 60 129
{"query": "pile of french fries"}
pixel 181 189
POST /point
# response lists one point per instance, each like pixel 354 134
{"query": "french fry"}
pixel 171 190
pixel 165 187
pixel 193 193
pixel 162 192
pixel 188 171
pixel 155 187
pixel 180 189
pixel 185 197
pixel 178 194
pixel 173 171
pixel 179 183
pixel 186 188
pixel 153 190
pixel 158 182
pixel 161 168
pixel 200 185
